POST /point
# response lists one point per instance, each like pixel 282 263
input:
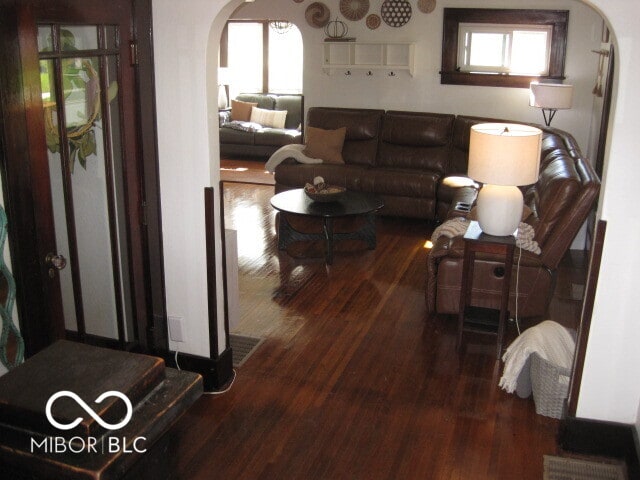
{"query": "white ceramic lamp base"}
pixel 499 209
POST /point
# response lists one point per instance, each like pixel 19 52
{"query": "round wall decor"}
pixel 395 13
pixel 317 14
pixel 373 21
pixel 426 6
pixel 354 10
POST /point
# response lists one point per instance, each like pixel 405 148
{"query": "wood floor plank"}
pixel 353 380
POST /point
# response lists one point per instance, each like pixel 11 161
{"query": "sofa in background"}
pixel 401 156
pixel 407 158
pixel 259 140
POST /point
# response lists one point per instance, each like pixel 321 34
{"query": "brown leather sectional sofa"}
pixel 404 156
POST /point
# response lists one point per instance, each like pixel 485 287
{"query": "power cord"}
pixel 220 392
pixel 517 284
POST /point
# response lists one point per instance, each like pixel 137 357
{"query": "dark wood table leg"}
pixel 504 304
pixel 284 231
pixel 369 231
pixel 467 279
pixel 328 232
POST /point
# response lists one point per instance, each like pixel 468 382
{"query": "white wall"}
pixel 188 160
pixel 423 91
pixel 610 388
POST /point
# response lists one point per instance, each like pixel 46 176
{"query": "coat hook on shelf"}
pixel 347 73
pixel 392 74
pixel 369 73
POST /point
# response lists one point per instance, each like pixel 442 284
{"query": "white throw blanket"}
pixel 458 226
pixel 294 150
pixel 549 339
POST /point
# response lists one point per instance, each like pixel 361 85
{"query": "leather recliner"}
pixel 560 202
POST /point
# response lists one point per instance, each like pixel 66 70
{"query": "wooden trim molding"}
pixel 450 73
pixel 216 372
pixel 603 439
pixel 595 260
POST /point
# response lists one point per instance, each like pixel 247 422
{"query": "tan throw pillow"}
pixel 324 144
pixel 268 118
pixel 241 111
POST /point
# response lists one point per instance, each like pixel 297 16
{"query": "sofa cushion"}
pixel 263 100
pixel 296 175
pixel 363 129
pixel 268 118
pixel 552 196
pixel 241 111
pixel 325 144
pixel 401 182
pixel 415 140
pixel 415 129
pixel 237 137
pixel 293 105
pixel 418 158
pixel 276 137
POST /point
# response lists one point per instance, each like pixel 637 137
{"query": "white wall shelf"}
pixel 368 56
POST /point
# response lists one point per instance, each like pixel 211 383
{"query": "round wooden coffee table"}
pixel 351 204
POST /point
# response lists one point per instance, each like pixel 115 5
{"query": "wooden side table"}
pixel 480 319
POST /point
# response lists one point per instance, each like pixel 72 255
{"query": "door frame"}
pixel 30 236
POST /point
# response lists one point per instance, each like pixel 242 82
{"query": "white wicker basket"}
pixel 550 384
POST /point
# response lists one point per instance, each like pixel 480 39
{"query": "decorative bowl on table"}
pixel 327 193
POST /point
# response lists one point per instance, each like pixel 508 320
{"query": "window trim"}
pixel 450 74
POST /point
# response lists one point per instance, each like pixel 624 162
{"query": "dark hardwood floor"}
pixel 353 381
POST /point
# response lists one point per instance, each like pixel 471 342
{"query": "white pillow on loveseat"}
pixel 268 118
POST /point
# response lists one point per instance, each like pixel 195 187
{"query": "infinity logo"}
pixel 89 410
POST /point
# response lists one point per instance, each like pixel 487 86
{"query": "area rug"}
pixel 243 347
pixel 562 468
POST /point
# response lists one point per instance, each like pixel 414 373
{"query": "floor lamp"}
pixel 550 97
pixel 503 156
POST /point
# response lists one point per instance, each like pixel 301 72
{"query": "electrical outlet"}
pixel 176 332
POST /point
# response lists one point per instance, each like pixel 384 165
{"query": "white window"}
pixel 245 58
pixel 513 49
pixel 285 61
pixel 255 67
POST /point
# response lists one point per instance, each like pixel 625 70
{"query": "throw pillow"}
pixel 241 111
pixel 324 144
pixel 268 118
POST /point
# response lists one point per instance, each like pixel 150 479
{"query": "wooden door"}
pixel 74 172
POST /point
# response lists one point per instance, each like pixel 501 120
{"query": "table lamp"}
pixel 224 79
pixel 503 156
pixel 550 97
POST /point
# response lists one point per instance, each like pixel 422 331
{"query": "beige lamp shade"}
pixel 550 95
pixel 504 153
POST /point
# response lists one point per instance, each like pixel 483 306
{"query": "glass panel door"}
pixel 79 79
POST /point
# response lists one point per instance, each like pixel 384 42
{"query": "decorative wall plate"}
pixel 395 13
pixel 317 14
pixel 373 21
pixel 354 10
pixel 426 6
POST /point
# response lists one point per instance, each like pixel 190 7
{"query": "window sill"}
pixel 492 80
